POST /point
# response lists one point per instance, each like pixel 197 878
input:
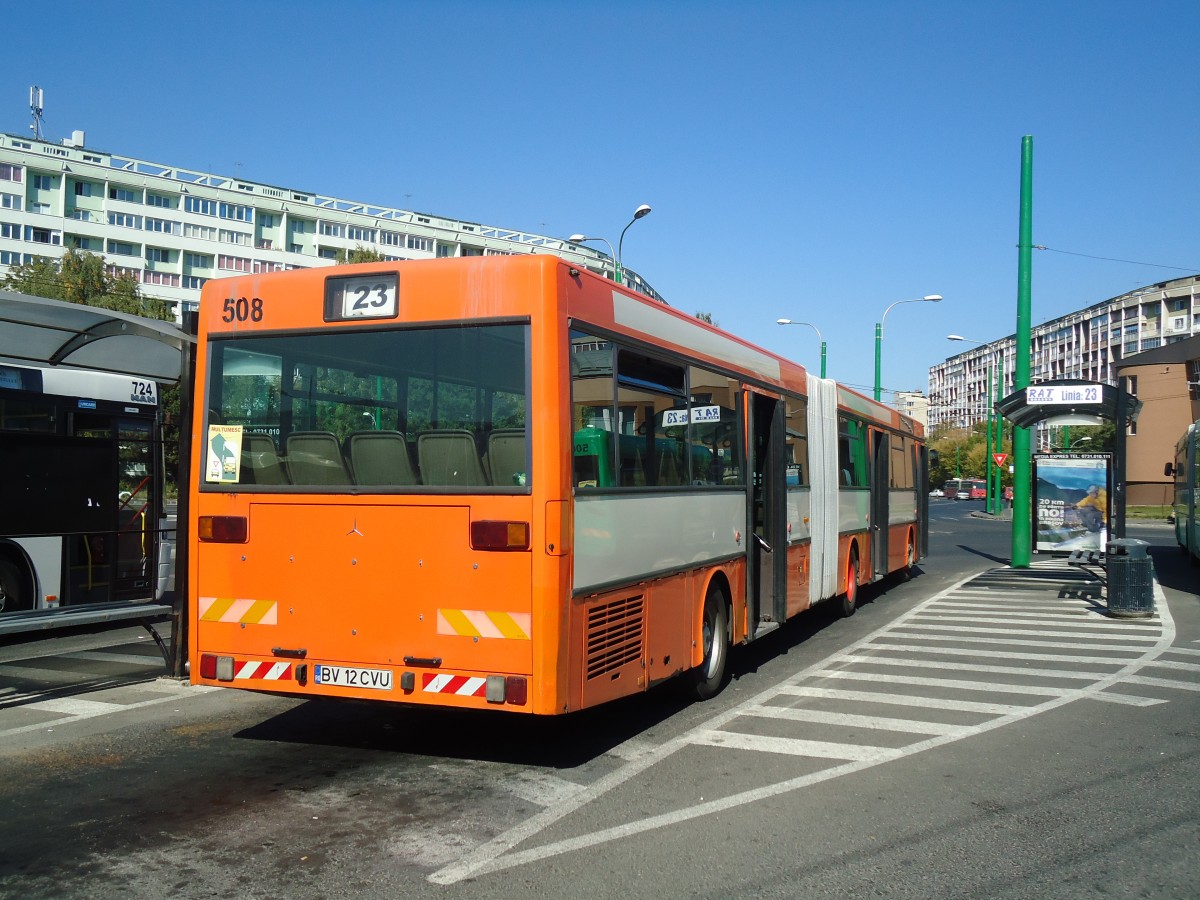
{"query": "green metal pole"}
pixel 998 475
pixel 822 359
pixel 1022 529
pixel 990 502
pixel 878 359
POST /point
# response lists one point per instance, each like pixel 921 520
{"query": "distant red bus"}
pixel 964 489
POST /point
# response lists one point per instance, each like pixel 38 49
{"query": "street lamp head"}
pixel 932 298
pixel 949 337
pixel 577 238
pixel 644 210
pixel 783 321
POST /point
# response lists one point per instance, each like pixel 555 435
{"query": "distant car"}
pixel 936 492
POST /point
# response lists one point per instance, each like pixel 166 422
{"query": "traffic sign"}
pixel 1000 458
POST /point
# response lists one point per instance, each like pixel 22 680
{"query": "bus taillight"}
pixel 488 535
pixel 223 529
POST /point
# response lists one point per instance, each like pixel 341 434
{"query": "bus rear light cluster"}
pixel 216 667
pixel 223 529
pixel 510 689
pixel 490 535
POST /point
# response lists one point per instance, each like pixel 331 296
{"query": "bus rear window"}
pixel 374 411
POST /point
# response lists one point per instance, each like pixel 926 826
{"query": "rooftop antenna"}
pixel 35 107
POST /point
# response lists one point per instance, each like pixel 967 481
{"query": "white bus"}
pixel 81 493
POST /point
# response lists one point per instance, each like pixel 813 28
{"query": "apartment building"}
pixel 1088 345
pixel 913 404
pixel 173 228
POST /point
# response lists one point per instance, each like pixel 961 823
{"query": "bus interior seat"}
pixel 506 455
pixel 260 461
pixel 380 457
pixel 449 458
pixel 314 457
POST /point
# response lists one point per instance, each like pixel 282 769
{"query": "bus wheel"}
pixel 850 598
pixel 13 595
pixel 709 678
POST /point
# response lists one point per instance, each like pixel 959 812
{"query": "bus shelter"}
pixel 1074 402
pixel 49 335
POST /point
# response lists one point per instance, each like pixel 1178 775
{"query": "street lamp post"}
pixel 579 239
pixel 814 328
pixel 928 298
pixel 641 212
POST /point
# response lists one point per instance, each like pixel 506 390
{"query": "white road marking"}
pixel 996 709
pixel 974 667
pixel 794 746
pixel 73 706
pixel 976 654
pixel 1163 682
pixel 150 662
pixel 985 686
pixel 498 854
pixel 881 723
pixel 1127 699
pixel 999 641
pixel 1027 632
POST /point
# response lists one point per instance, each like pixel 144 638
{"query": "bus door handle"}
pixel 762 542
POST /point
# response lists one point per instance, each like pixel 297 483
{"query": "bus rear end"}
pixel 365 508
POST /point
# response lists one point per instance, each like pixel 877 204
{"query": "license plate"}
pixel 348 676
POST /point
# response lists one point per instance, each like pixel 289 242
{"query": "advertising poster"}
pixel 1070 502
pixel 224 457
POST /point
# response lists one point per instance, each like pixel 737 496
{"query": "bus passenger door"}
pixel 880 488
pixel 766 569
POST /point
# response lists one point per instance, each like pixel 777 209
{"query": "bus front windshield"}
pixel 377 411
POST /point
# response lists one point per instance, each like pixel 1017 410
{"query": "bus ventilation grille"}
pixel 614 635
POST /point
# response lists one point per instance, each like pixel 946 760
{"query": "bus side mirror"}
pixel 1169 470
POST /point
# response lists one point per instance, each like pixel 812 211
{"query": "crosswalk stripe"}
pixel 794 746
pixel 1163 682
pixel 881 723
pixel 973 667
pixel 999 641
pixel 983 686
pixel 1005 654
pixel 1171 664
pixel 1067 623
pixel 997 709
pixel 1150 639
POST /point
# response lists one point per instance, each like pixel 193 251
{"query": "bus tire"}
pixel 850 598
pixel 14 593
pixel 709 677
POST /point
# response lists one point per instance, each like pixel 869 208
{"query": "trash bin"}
pixel 1130 578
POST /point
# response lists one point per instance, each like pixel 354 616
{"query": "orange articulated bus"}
pixel 509 483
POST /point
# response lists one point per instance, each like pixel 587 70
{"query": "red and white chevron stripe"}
pixel 454 684
pixel 265 671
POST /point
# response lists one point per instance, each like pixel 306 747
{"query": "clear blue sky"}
pixel 810 160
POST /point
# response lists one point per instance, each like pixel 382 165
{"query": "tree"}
pixel 707 317
pixel 81 277
pixel 359 254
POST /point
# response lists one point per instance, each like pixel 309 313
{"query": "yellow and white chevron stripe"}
pixel 242 612
pixel 486 623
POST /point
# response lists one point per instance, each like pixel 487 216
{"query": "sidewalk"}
pixel 1052 580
